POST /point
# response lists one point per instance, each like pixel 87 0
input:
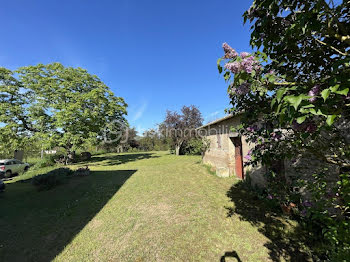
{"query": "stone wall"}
pixel 221 153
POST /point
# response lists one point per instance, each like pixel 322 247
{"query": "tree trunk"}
pixel 70 157
pixel 177 150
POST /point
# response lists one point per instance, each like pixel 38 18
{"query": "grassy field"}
pixel 142 207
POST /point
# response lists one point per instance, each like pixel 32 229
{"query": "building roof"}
pixel 218 120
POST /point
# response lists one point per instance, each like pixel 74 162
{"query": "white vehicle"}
pixel 8 167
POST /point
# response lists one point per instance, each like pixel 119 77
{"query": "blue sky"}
pixel 157 54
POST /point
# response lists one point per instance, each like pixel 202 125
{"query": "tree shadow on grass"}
pixel 286 239
pixel 36 226
pixel 118 159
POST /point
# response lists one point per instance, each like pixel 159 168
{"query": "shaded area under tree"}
pixel 287 240
pixel 36 226
pixel 120 159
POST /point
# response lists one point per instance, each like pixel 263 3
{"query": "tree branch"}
pixel 332 47
pixel 26 125
pixel 284 83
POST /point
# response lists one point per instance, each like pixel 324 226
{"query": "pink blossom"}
pixel 249 155
pixel 229 51
pixel 243 89
pixel 309 127
pixel 307 203
pixel 248 64
pixel 234 67
pixel 252 128
pixel 315 91
pixel 276 136
pixel 244 54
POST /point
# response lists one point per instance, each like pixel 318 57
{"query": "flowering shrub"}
pixel 295 102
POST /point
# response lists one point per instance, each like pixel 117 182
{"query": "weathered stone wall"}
pixel 221 153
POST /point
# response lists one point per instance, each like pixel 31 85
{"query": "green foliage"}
pixel 330 214
pixel 295 102
pixel 56 106
pixel 179 128
pixel 195 146
pixel 45 162
pixel 101 199
pixel 278 190
pixel 153 140
pixel 210 169
pixel 51 179
pixel 133 150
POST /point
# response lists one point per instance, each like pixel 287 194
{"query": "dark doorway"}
pixel 237 142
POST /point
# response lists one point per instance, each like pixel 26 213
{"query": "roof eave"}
pixel 220 120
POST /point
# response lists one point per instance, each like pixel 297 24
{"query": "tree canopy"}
pixel 181 127
pixel 293 93
pixel 58 105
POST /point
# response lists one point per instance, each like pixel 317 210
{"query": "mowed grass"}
pixel 138 207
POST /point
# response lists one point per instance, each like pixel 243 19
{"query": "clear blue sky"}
pixel 157 54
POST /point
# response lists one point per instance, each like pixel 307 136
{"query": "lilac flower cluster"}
pixel 252 128
pixel 229 51
pixel 234 67
pixel 307 203
pixel 248 64
pixel 303 212
pixel 314 92
pixel 244 54
pixel 241 90
pixel 309 127
pixel 249 155
pixel 269 196
pixel 276 136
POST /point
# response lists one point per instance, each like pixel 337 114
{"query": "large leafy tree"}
pixel 60 106
pixel 304 84
pixel 153 139
pixel 293 93
pixel 181 127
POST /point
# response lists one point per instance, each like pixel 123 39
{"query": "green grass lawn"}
pixel 142 207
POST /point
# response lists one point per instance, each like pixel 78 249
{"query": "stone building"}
pixel 227 149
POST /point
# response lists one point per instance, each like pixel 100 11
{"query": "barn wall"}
pixel 221 155
pixel 221 152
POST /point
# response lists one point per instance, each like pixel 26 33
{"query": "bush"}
pixel 45 162
pixel 195 146
pixel 328 216
pixel 85 156
pixel 51 179
pixel 133 150
pixel 323 212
